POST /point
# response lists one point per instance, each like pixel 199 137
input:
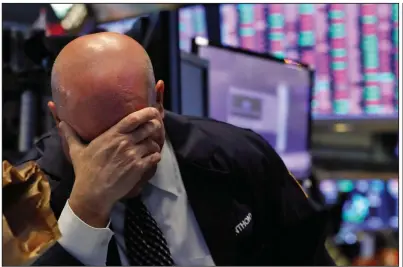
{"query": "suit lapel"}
pixel 206 187
pixel 212 206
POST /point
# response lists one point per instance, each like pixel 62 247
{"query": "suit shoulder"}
pixel 37 151
pixel 233 138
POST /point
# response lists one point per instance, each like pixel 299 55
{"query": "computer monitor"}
pixel 262 93
pixel 194 85
pixel 372 204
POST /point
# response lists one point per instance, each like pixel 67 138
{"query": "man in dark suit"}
pixel 133 184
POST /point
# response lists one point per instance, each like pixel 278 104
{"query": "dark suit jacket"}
pixel 228 174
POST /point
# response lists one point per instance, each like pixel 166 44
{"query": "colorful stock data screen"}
pixel 192 23
pixel 372 204
pixel 352 47
pixel 278 108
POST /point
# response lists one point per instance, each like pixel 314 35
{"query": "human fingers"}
pixel 143 181
pixel 150 128
pixel 150 161
pixel 134 120
pixel 146 148
pixel 71 137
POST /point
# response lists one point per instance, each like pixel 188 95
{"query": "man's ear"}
pixel 52 109
pixel 159 92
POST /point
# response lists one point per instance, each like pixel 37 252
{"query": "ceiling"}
pixel 26 13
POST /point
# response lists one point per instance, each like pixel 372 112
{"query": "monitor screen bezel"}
pixel 196 49
pixel 203 64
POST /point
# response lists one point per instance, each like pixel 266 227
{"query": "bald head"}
pixel 100 78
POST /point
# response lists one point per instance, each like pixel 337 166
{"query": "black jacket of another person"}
pixel 228 172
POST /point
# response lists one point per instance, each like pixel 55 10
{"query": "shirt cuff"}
pixel 84 242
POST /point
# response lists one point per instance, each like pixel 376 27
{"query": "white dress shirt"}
pixel 166 199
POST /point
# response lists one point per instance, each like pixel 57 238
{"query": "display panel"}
pixel 192 23
pixel 194 85
pixel 255 92
pixel 352 47
pixel 372 204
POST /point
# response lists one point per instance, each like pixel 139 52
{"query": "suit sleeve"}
pixel 80 244
pixel 57 256
pixel 309 224
pixel 302 228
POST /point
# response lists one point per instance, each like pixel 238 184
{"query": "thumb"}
pixel 73 141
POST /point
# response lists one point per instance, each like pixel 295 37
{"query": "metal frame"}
pixel 203 64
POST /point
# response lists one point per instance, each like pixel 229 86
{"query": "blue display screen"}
pixel 372 204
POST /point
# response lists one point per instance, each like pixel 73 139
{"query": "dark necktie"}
pixel 145 243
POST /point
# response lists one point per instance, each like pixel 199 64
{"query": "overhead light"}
pixel 201 41
pixel 61 9
pixel 341 128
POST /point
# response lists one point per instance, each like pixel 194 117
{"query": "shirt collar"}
pixel 167 174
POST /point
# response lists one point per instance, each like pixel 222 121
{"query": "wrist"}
pixel 92 213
